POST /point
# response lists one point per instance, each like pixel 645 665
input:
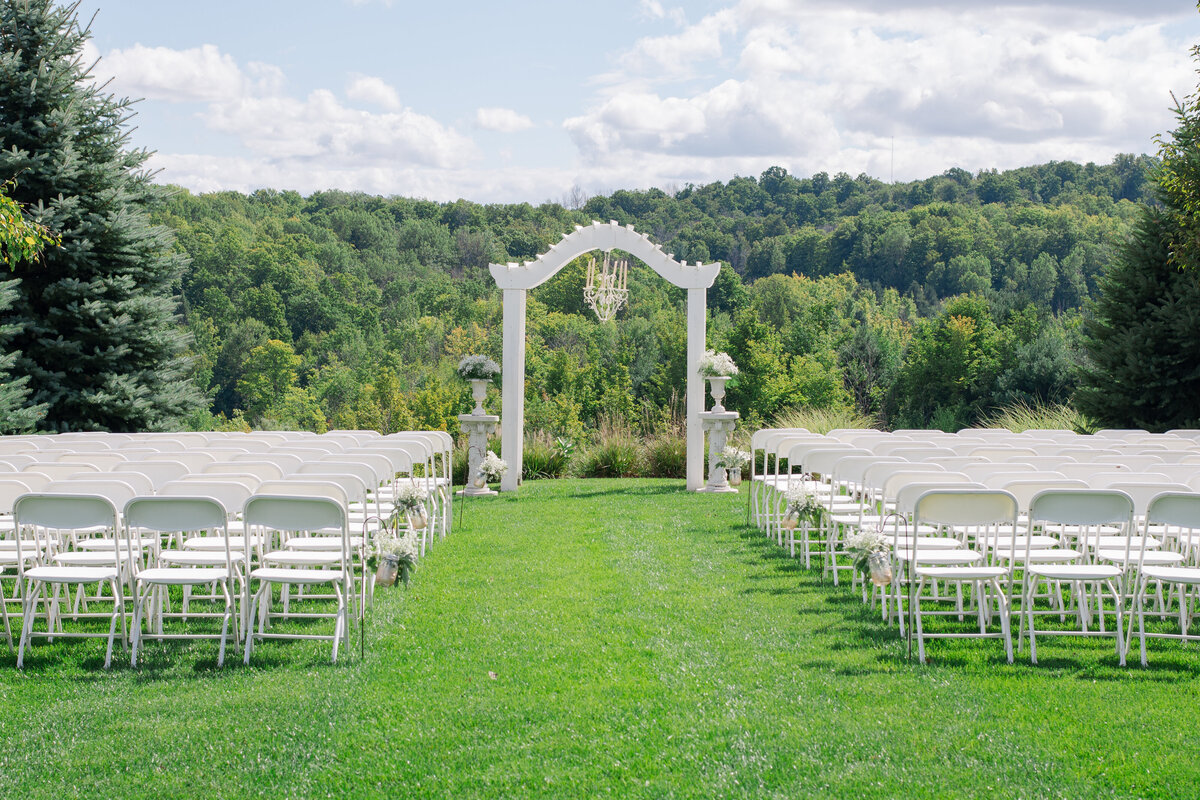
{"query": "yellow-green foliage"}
pixel 1023 417
pixel 822 420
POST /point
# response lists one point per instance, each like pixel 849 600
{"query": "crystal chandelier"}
pixel 607 287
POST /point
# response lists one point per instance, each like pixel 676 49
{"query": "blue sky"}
pixel 522 101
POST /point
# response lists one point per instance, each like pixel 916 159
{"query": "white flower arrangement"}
pixel 400 551
pixel 404 548
pixel 868 545
pixel 477 367
pixel 802 503
pixel 411 497
pixel 717 365
pixel 732 458
pixel 492 468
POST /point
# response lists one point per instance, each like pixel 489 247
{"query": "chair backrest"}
pixel 192 459
pixel 873 477
pixel 174 513
pixel 1081 507
pixel 117 491
pixel 967 507
pixel 60 470
pixel 986 470
pixel 17 461
pixel 824 462
pixel 1136 462
pixel 1103 480
pixel 296 487
pixel 142 484
pixel 1181 509
pixel 908 494
pixel 159 472
pixel 891 487
pixel 850 470
pixel 1144 493
pixel 921 454
pixel 292 513
pixel 65 512
pixel 797 454
pixel 1024 489
pixel 12 487
pixel 886 448
pixel 362 473
pixel 288 462
pixel 352 485
pixel 1082 471
pixel 379 465
pixel 264 470
pixel 231 494
pixel 1120 433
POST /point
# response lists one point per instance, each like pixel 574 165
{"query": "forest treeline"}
pixel 924 303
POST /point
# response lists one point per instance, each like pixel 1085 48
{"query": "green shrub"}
pixel 666 457
pixel 545 457
pixel 822 420
pixel 1023 417
pixel 612 459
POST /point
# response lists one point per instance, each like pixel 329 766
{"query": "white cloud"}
pixel 197 74
pixel 653 9
pixel 504 120
pixel 290 133
pixel 825 85
pixel 376 91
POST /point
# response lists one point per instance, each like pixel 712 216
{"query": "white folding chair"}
pixel 984 515
pixel 1086 515
pixel 163 515
pixel 291 513
pixel 1179 514
pixel 44 513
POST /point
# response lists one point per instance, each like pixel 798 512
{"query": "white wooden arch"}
pixel 517 279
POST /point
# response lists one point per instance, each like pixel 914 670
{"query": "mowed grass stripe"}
pixel 644 642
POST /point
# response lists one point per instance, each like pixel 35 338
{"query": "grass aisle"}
pixel 600 638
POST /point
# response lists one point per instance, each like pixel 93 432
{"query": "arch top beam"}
pixel 601 236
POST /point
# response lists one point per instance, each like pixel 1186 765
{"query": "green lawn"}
pixel 596 638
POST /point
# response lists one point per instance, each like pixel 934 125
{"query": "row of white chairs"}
pixel 123 512
pixel 872 480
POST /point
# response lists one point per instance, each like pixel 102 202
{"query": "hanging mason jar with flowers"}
pixel 491 469
pixel 393 557
pixel 800 504
pixel 872 555
pixel 410 500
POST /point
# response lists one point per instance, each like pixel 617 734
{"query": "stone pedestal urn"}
pixel 719 425
pixel 479 394
pixel 716 387
pixel 477 427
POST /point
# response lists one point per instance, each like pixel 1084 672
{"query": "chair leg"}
pixel 1028 603
pixel 225 623
pixel 31 596
pixel 918 627
pixel 135 628
pixel 250 630
pixel 1005 619
pixel 4 612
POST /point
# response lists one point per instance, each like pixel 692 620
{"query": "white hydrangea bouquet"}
pixel 477 367
pixel 872 555
pixel 733 458
pixel 491 469
pixel 717 365
pixel 800 504
pixel 394 556
pixel 410 501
